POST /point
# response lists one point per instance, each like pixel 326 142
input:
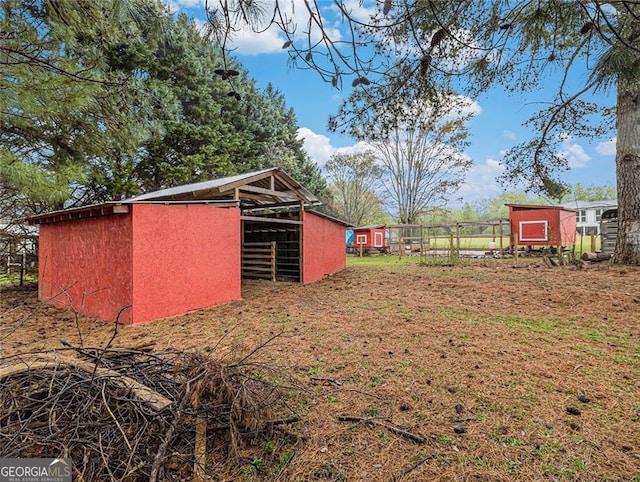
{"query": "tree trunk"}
pixel 628 172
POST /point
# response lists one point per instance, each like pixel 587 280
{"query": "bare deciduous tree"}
pixel 354 179
pixel 422 160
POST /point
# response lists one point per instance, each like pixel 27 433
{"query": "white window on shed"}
pixel 361 239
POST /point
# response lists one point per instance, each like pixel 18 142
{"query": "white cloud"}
pixel 200 25
pixel 180 5
pixel 509 135
pixel 244 40
pixel 358 10
pixel 248 42
pixel 462 107
pixel 319 146
pixel 607 148
pixel 453 107
pixel 481 181
pixel 354 149
pixel 269 38
pixel 457 53
pixel 573 153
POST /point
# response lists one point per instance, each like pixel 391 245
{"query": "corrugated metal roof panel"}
pixel 216 187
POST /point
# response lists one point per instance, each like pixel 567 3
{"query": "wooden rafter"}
pixel 270 220
pixel 80 213
pixel 280 195
pixel 268 189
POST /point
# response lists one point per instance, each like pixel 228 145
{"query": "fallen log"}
pixel 596 257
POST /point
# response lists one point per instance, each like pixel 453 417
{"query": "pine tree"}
pixel 67 96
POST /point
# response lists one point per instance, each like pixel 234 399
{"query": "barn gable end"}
pixel 185 257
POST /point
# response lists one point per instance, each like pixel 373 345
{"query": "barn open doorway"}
pixel 272 247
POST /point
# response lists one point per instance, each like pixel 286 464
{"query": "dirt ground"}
pixel 484 360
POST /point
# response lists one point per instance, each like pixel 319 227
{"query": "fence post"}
pixel 560 255
pixel 273 260
pixel 451 248
pixel 592 233
pixel 23 260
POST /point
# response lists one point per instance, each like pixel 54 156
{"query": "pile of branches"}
pixel 134 415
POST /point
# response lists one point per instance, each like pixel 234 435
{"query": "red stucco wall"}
pixel 567 227
pixel 86 265
pixel 323 247
pixel 185 257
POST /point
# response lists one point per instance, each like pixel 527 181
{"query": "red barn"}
pixel 368 237
pixel 542 225
pixel 168 252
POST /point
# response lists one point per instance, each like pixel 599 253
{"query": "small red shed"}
pixel 542 225
pixel 367 237
pixel 166 253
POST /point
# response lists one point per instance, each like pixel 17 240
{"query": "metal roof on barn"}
pixel 266 189
pixel 260 189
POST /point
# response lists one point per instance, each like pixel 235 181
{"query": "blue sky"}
pixel 496 127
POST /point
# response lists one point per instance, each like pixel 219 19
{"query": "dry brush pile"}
pixel 130 414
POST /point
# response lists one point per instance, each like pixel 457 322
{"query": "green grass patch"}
pixel 529 324
pixel 14 279
pixel 387 261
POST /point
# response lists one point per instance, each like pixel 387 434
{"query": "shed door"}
pixel 377 240
pixel 534 231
